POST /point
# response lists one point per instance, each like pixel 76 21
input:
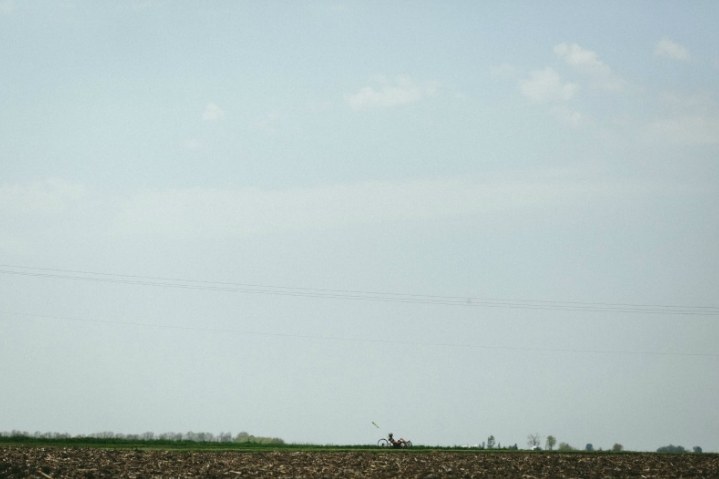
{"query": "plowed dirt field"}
pixel 42 462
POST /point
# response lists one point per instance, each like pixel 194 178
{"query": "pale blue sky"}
pixel 561 153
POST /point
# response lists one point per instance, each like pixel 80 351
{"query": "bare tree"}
pixel 534 440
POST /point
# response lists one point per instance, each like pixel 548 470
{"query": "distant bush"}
pixel 672 448
pixel 564 447
pixel 245 437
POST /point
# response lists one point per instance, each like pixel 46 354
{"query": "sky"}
pixel 297 219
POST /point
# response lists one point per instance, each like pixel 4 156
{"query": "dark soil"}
pixel 49 462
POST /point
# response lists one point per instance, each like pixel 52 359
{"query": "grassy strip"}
pixel 120 443
pixel 185 445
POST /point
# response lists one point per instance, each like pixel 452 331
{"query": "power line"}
pixel 363 340
pixel 339 294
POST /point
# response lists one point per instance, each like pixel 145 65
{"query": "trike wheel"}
pixel 383 443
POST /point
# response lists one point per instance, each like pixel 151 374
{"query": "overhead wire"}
pixel 194 284
pixel 356 295
pixel 363 340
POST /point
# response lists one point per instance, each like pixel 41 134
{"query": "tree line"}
pixel 535 440
pixel 190 436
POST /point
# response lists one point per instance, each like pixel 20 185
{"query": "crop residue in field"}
pixel 23 462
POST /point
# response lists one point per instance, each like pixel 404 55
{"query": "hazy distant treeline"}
pixel 190 436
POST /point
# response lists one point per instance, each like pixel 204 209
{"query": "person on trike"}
pixel 396 443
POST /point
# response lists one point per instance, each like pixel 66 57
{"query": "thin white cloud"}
pixel 268 124
pixel 13 246
pixel 385 93
pixel 6 8
pixel 505 71
pixel 586 61
pixel 144 5
pixel 685 119
pixel 566 116
pixel 192 144
pixel 209 213
pixel 685 130
pixel 545 86
pixel 46 196
pixel 32 214
pixel 213 112
pixel 320 106
pixel 669 49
